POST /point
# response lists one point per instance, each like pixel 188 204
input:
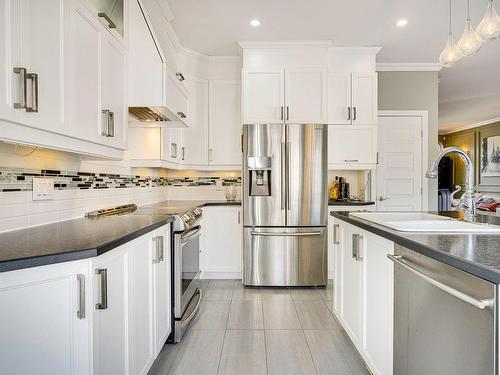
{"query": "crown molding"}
pixel 166 10
pixel 450 130
pixel 408 67
pixel 285 44
pixel 355 49
pixel 195 54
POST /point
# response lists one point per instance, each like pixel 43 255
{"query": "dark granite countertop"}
pixel 85 238
pixel 477 254
pixel 333 202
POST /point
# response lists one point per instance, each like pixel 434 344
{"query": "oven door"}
pixel 187 268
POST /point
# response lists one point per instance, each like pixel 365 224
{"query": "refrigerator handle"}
pixel 287 162
pixel 283 176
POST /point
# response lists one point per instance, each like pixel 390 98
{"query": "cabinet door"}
pixel 364 98
pixel 352 286
pixel 306 96
pixel 43 54
pixel 113 78
pixel 10 43
pixel 378 275
pixel 337 244
pixel 221 241
pixel 352 144
pixel 110 315
pixel 224 123
pixel 40 331
pixel 141 345
pixel 263 96
pixel 195 138
pixel 339 99
pixel 162 288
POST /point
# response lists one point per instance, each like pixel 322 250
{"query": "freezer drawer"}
pixel 285 256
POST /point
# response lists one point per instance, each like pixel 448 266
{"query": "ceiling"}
pixel 214 27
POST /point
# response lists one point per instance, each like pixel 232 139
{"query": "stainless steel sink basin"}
pixel 424 222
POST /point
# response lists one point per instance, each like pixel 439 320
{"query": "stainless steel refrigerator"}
pixel 285 204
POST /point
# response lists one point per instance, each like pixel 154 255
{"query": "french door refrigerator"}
pixel 285 204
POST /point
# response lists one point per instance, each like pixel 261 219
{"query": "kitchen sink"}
pixel 424 222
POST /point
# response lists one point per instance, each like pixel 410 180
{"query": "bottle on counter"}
pixel 347 192
pixel 334 189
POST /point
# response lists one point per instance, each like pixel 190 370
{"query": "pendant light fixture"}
pixel 470 42
pixel 489 27
pixel 450 54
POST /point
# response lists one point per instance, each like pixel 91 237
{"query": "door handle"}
pixel 287 112
pixel 239 217
pixel 381 198
pixel 351 160
pixel 281 117
pixel 335 239
pixel 355 114
pixel 181 114
pixel 159 249
pixel 277 234
pixel 24 91
pixel 34 92
pixel 287 162
pixel 81 296
pixel 180 76
pixel 111 126
pixel 356 252
pixel 283 176
pixel 103 304
pixel 348 113
pixel 105 126
pixel 111 24
pixel 211 154
pixel 182 149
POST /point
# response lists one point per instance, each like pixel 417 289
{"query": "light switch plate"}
pixel 218 185
pixel 43 189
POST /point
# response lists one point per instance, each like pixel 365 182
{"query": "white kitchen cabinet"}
pixel 224 122
pixel 306 94
pixel 110 318
pixel 353 146
pixel 162 280
pixel 336 244
pixel 141 344
pixel 352 98
pixel 221 242
pixel 194 149
pixel 45 317
pixel 263 96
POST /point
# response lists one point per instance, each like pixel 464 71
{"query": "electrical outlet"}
pixel 43 189
pixel 218 184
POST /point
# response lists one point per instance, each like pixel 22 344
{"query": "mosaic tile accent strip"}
pixel 16 179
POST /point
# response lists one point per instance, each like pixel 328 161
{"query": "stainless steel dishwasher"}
pixel 445 320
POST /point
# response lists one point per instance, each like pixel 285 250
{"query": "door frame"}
pixel 424 117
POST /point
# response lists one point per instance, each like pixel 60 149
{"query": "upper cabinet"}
pixel 352 98
pixel 287 95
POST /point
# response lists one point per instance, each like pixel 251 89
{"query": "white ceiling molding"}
pixel 467 127
pixel 409 67
pixel 173 37
pixel 285 44
pixel 355 50
pixel 195 54
pixel 166 10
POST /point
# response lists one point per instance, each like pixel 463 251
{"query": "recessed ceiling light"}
pixel 402 23
pixel 254 23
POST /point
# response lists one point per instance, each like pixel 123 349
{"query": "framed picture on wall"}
pixel 489 159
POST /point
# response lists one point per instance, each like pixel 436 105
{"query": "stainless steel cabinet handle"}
pixel 182 149
pixel 479 303
pixel 381 198
pixel 111 126
pixel 355 114
pixel 111 24
pixel 211 154
pixel 348 113
pixel 34 90
pixel 105 125
pixel 24 91
pixel 356 248
pixel 281 113
pixel 158 240
pixel 81 296
pixel 181 114
pixel 335 229
pixel 287 112
pixel 239 217
pixel 172 150
pixel 180 76
pixel 277 234
pixel 103 304
pixel 351 160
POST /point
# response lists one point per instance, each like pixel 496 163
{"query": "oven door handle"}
pixel 186 321
pixel 190 234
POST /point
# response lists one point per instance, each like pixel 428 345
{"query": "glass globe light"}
pixel 470 42
pixel 450 54
pixel 489 27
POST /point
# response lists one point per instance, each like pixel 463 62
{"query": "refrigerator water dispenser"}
pixel 259 175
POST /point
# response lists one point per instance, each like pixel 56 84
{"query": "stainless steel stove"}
pixel 186 274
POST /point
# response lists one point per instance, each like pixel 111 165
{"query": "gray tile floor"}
pixel 255 331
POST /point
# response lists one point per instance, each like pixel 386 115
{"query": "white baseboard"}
pixel 221 275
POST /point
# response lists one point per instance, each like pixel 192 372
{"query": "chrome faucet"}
pixel 468 200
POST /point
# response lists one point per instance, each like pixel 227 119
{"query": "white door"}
pixel 364 98
pixel 224 122
pixel 221 241
pixel 141 345
pixel 306 96
pixel 43 49
pixel 110 315
pixel 263 96
pixel 113 82
pixel 349 144
pixel 162 283
pixel 40 330
pixel 10 50
pixel 195 138
pixel 378 275
pixel 399 172
pixel 339 99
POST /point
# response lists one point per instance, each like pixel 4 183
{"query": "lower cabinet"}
pixel 221 242
pixel 363 294
pixel 45 316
